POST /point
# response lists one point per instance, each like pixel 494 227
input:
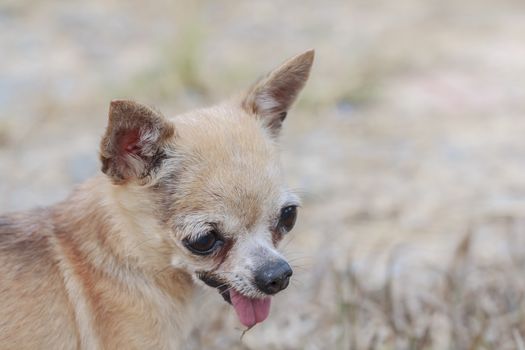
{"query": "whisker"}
pixel 297 283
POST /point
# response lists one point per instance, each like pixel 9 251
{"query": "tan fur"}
pixel 107 267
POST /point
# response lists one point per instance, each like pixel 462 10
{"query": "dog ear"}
pixel 271 97
pixel 133 144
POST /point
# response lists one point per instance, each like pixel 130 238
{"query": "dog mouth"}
pixel 223 287
pixel 250 311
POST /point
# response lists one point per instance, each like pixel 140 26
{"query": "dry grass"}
pixel 466 306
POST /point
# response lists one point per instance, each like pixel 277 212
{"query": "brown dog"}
pixel 196 198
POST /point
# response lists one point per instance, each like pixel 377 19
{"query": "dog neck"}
pixel 112 256
pixel 112 228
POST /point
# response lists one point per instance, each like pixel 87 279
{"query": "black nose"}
pixel 273 276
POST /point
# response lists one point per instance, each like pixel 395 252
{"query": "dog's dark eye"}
pixel 205 244
pixel 288 217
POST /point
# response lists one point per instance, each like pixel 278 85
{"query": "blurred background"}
pixel 407 147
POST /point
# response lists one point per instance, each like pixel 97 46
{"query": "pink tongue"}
pixel 250 311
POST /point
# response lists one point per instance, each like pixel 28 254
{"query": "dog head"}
pixel 211 181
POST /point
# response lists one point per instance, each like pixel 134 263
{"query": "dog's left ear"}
pixel 134 142
pixel 271 97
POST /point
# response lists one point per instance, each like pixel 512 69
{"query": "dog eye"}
pixel 204 244
pixel 288 217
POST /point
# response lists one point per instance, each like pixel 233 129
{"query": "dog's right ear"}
pixel 271 97
pixel 133 144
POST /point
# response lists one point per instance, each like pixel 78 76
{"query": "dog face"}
pixel 212 179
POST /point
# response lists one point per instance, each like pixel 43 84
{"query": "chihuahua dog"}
pixel 183 203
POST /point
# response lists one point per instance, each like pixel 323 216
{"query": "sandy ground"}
pixel 409 135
